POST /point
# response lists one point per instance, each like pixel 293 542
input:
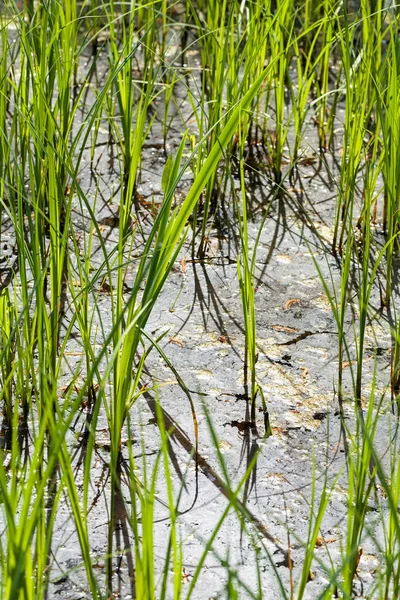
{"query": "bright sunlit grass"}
pixel 240 85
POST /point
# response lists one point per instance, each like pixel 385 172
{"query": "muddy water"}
pixel 200 311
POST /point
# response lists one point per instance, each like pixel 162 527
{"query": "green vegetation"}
pixel 247 85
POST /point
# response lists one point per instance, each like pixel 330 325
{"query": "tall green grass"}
pixel 264 70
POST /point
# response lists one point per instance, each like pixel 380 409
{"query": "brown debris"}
pixel 320 541
pixel 177 341
pixel 291 302
pixel 284 328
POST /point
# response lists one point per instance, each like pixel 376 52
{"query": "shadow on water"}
pixel 5 435
pixel 212 307
pixel 90 407
pixel 52 491
pixel 122 534
pixel 23 436
pixel 181 438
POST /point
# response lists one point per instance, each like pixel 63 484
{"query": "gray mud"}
pixel 200 311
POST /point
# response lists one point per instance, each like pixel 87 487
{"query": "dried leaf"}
pixel 359 554
pixel 284 328
pixel 105 287
pixel 347 364
pixel 291 302
pixel 308 160
pixel 110 221
pixel 177 341
pixel 183 265
pixel 320 541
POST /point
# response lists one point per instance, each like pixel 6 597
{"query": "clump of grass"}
pixel 259 66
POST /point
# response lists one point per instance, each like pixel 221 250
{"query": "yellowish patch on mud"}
pixel 284 258
pixel 224 446
pixel 203 373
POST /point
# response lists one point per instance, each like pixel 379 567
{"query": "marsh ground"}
pixel 172 486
